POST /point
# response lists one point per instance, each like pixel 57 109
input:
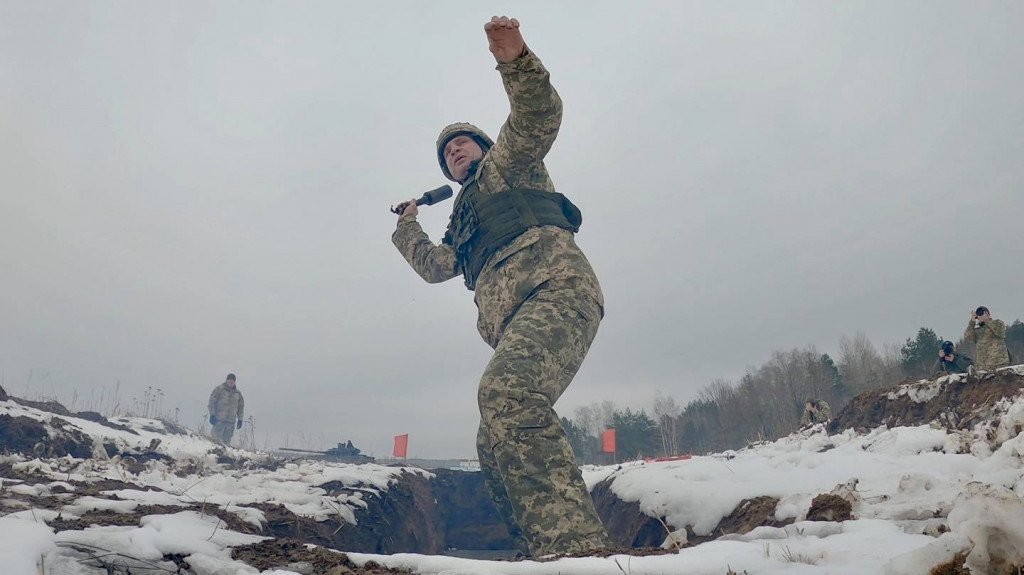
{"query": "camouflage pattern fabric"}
pixel 514 162
pixel 991 341
pixel 539 304
pixel 223 431
pixel 525 457
pixel 821 415
pixel 228 406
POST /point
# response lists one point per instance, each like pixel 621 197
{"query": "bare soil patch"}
pixel 955 566
pixel 280 553
pixel 745 517
pixel 828 507
pixel 105 517
pixel 958 405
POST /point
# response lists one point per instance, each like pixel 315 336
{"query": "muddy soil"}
pixel 955 566
pixel 748 514
pixel 751 513
pixel 32 438
pixel 959 405
pixel 51 406
pixel 282 553
pixel 106 517
pixel 96 417
pixel 828 507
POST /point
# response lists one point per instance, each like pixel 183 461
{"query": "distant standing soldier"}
pixel 950 361
pixel 511 237
pixel 990 336
pixel 226 409
pixel 815 411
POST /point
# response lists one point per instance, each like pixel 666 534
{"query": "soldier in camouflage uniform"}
pixel 990 336
pixel 539 301
pixel 226 408
pixel 950 361
pixel 815 411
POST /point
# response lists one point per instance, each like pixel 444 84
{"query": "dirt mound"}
pixel 96 417
pixel 751 513
pixel 828 507
pixel 747 515
pixel 51 406
pixel 629 527
pixel 294 555
pixel 33 438
pixel 106 517
pixel 959 403
pixel 954 566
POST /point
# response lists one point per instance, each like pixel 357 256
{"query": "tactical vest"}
pixel 482 224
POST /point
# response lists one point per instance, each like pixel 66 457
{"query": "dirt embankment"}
pixel 628 527
pixel 958 404
pixel 415 515
pixel 32 438
pixel 626 524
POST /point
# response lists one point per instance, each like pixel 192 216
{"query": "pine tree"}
pixel 583 444
pixel 918 355
pixel 1015 341
pixel 836 379
pixel 636 434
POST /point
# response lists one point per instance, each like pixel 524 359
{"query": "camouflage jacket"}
pixel 823 414
pixel 990 338
pixel 959 364
pixel 545 255
pixel 226 404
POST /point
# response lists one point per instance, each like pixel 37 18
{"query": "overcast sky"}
pixel 196 188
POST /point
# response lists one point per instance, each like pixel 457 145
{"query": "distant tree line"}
pixel 765 404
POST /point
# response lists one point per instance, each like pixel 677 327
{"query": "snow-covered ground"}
pixel 919 496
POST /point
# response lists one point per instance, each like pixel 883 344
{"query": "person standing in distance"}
pixel 539 301
pixel 226 408
pixel 990 336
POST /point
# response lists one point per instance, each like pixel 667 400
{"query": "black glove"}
pixel 239 424
pixel 213 420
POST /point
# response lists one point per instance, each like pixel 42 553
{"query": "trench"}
pixel 453 514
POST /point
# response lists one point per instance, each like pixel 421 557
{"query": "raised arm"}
pixel 536 109
pixel 434 263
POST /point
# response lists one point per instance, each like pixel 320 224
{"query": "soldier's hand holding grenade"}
pixel 213 420
pixel 239 424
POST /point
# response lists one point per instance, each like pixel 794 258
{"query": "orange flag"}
pixel 401 445
pixel 608 441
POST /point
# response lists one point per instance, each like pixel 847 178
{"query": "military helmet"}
pixel 458 129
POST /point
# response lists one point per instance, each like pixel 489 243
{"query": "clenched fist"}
pixel 504 39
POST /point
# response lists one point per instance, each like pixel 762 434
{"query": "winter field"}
pixel 146 498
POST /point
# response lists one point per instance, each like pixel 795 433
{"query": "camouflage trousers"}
pixel 223 431
pixel 525 457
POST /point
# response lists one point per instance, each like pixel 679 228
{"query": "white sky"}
pixel 196 188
